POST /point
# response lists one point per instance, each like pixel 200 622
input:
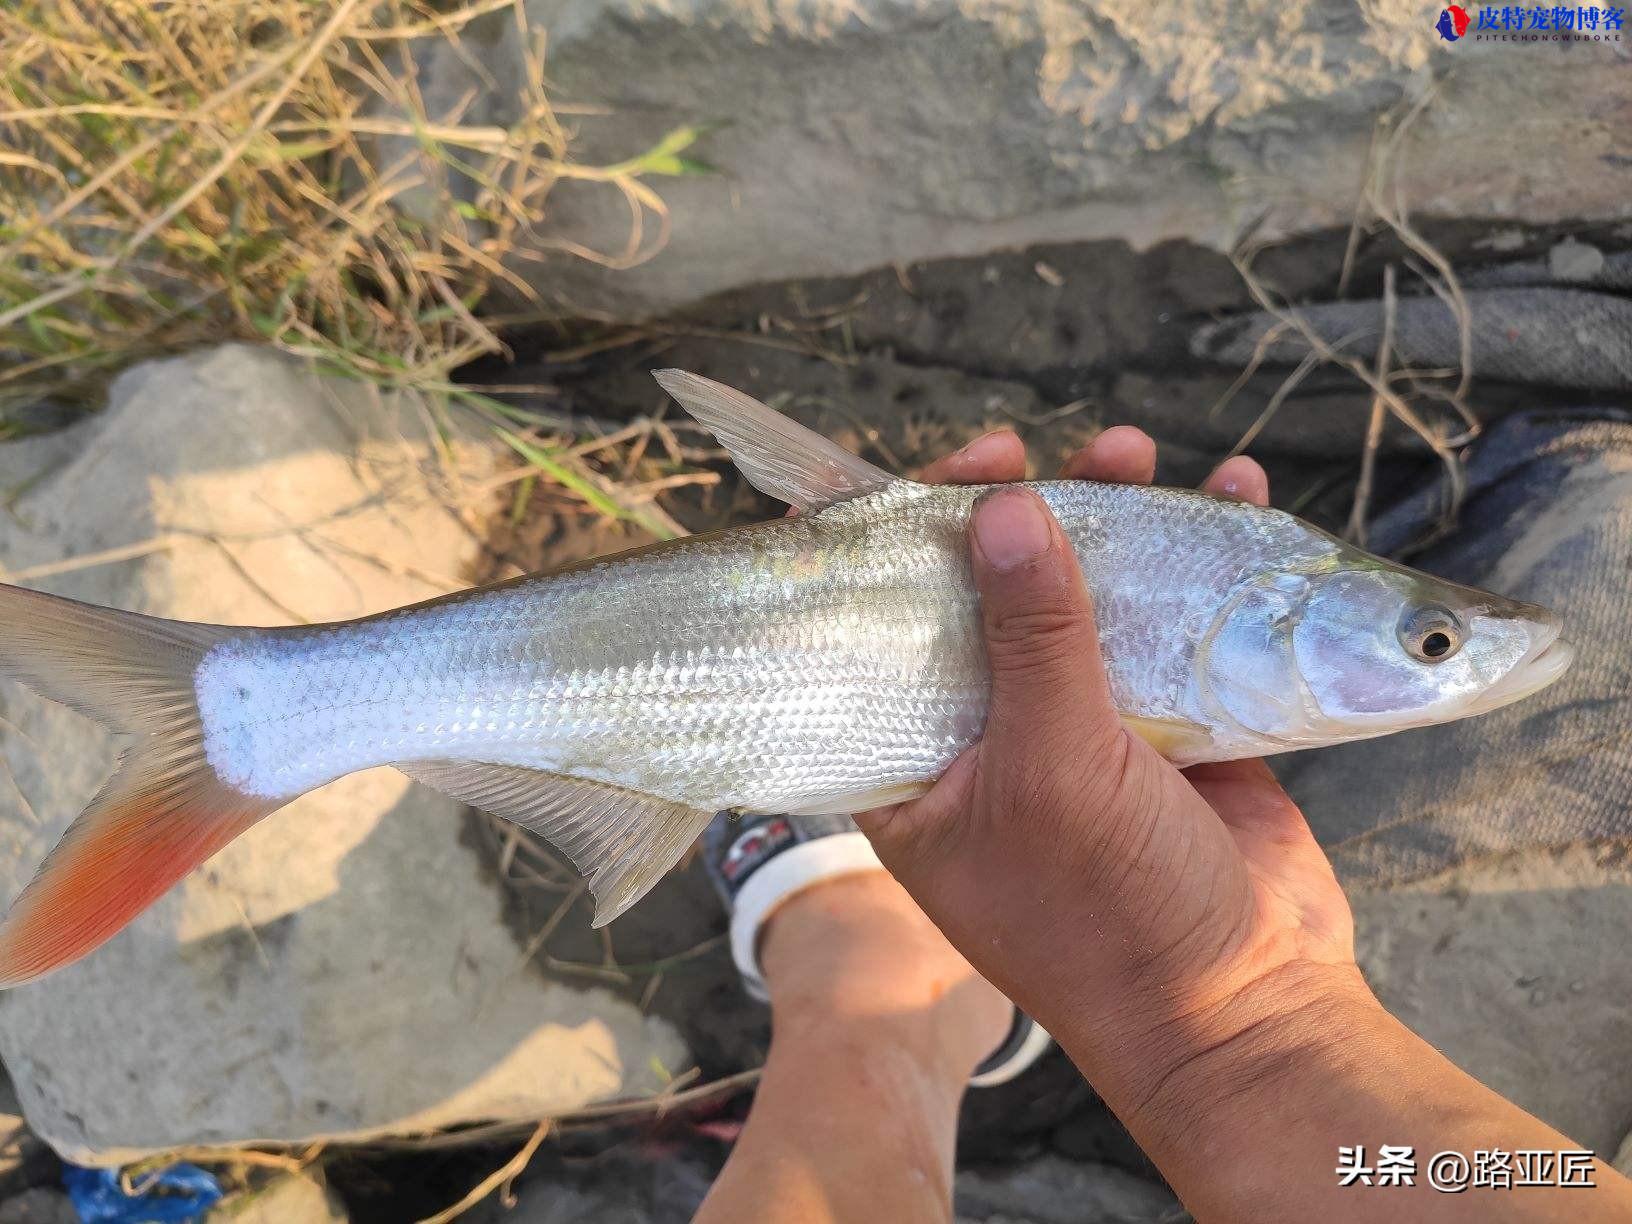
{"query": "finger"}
pixel 1050 701
pixel 994 458
pixel 926 827
pixel 1251 770
pixel 1249 798
pixel 1042 645
pixel 1122 454
pixel 1241 478
pixel 1276 841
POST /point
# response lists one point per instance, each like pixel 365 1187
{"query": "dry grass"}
pixel 237 1167
pixel 175 173
pixel 1431 403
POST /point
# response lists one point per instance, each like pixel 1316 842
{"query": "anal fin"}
pixel 623 841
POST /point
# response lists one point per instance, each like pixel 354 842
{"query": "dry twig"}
pixel 502 1176
pixel 1381 197
pixel 1379 415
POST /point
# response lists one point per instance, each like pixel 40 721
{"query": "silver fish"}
pixel 827 662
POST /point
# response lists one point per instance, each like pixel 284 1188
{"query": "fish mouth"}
pixel 1548 658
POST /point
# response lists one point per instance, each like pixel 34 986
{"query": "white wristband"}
pixel 794 870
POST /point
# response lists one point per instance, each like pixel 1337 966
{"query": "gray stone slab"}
pixel 344 968
pixel 1519 970
pixel 855 133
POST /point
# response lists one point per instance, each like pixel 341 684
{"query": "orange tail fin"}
pixel 161 814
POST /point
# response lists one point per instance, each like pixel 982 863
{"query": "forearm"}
pixel 1244 1112
pixel 804 1161
pixel 876 1025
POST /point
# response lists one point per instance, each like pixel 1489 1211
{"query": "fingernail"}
pixel 971 449
pixel 1011 528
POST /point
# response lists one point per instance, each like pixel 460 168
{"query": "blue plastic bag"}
pixel 177 1195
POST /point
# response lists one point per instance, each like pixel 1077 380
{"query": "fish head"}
pixel 1366 647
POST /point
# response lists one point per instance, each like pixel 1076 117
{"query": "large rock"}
pixel 864 132
pixel 342 969
pixel 1519 970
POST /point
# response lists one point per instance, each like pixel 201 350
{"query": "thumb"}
pixel 1049 689
pixel 1050 713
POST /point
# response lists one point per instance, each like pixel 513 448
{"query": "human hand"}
pixel 1144 915
pixel 1179 932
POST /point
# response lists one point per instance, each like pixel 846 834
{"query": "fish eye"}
pixel 1431 633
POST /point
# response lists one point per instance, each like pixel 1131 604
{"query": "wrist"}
pixel 1201 1063
pixel 1244 1107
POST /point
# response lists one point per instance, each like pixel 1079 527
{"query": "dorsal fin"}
pixel 779 456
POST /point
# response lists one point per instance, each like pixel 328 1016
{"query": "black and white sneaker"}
pixel 758 862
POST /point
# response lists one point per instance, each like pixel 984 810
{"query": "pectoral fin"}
pixel 779 456
pixel 623 841
pixel 1177 739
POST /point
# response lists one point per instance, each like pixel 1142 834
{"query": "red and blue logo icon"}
pixel 1452 23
